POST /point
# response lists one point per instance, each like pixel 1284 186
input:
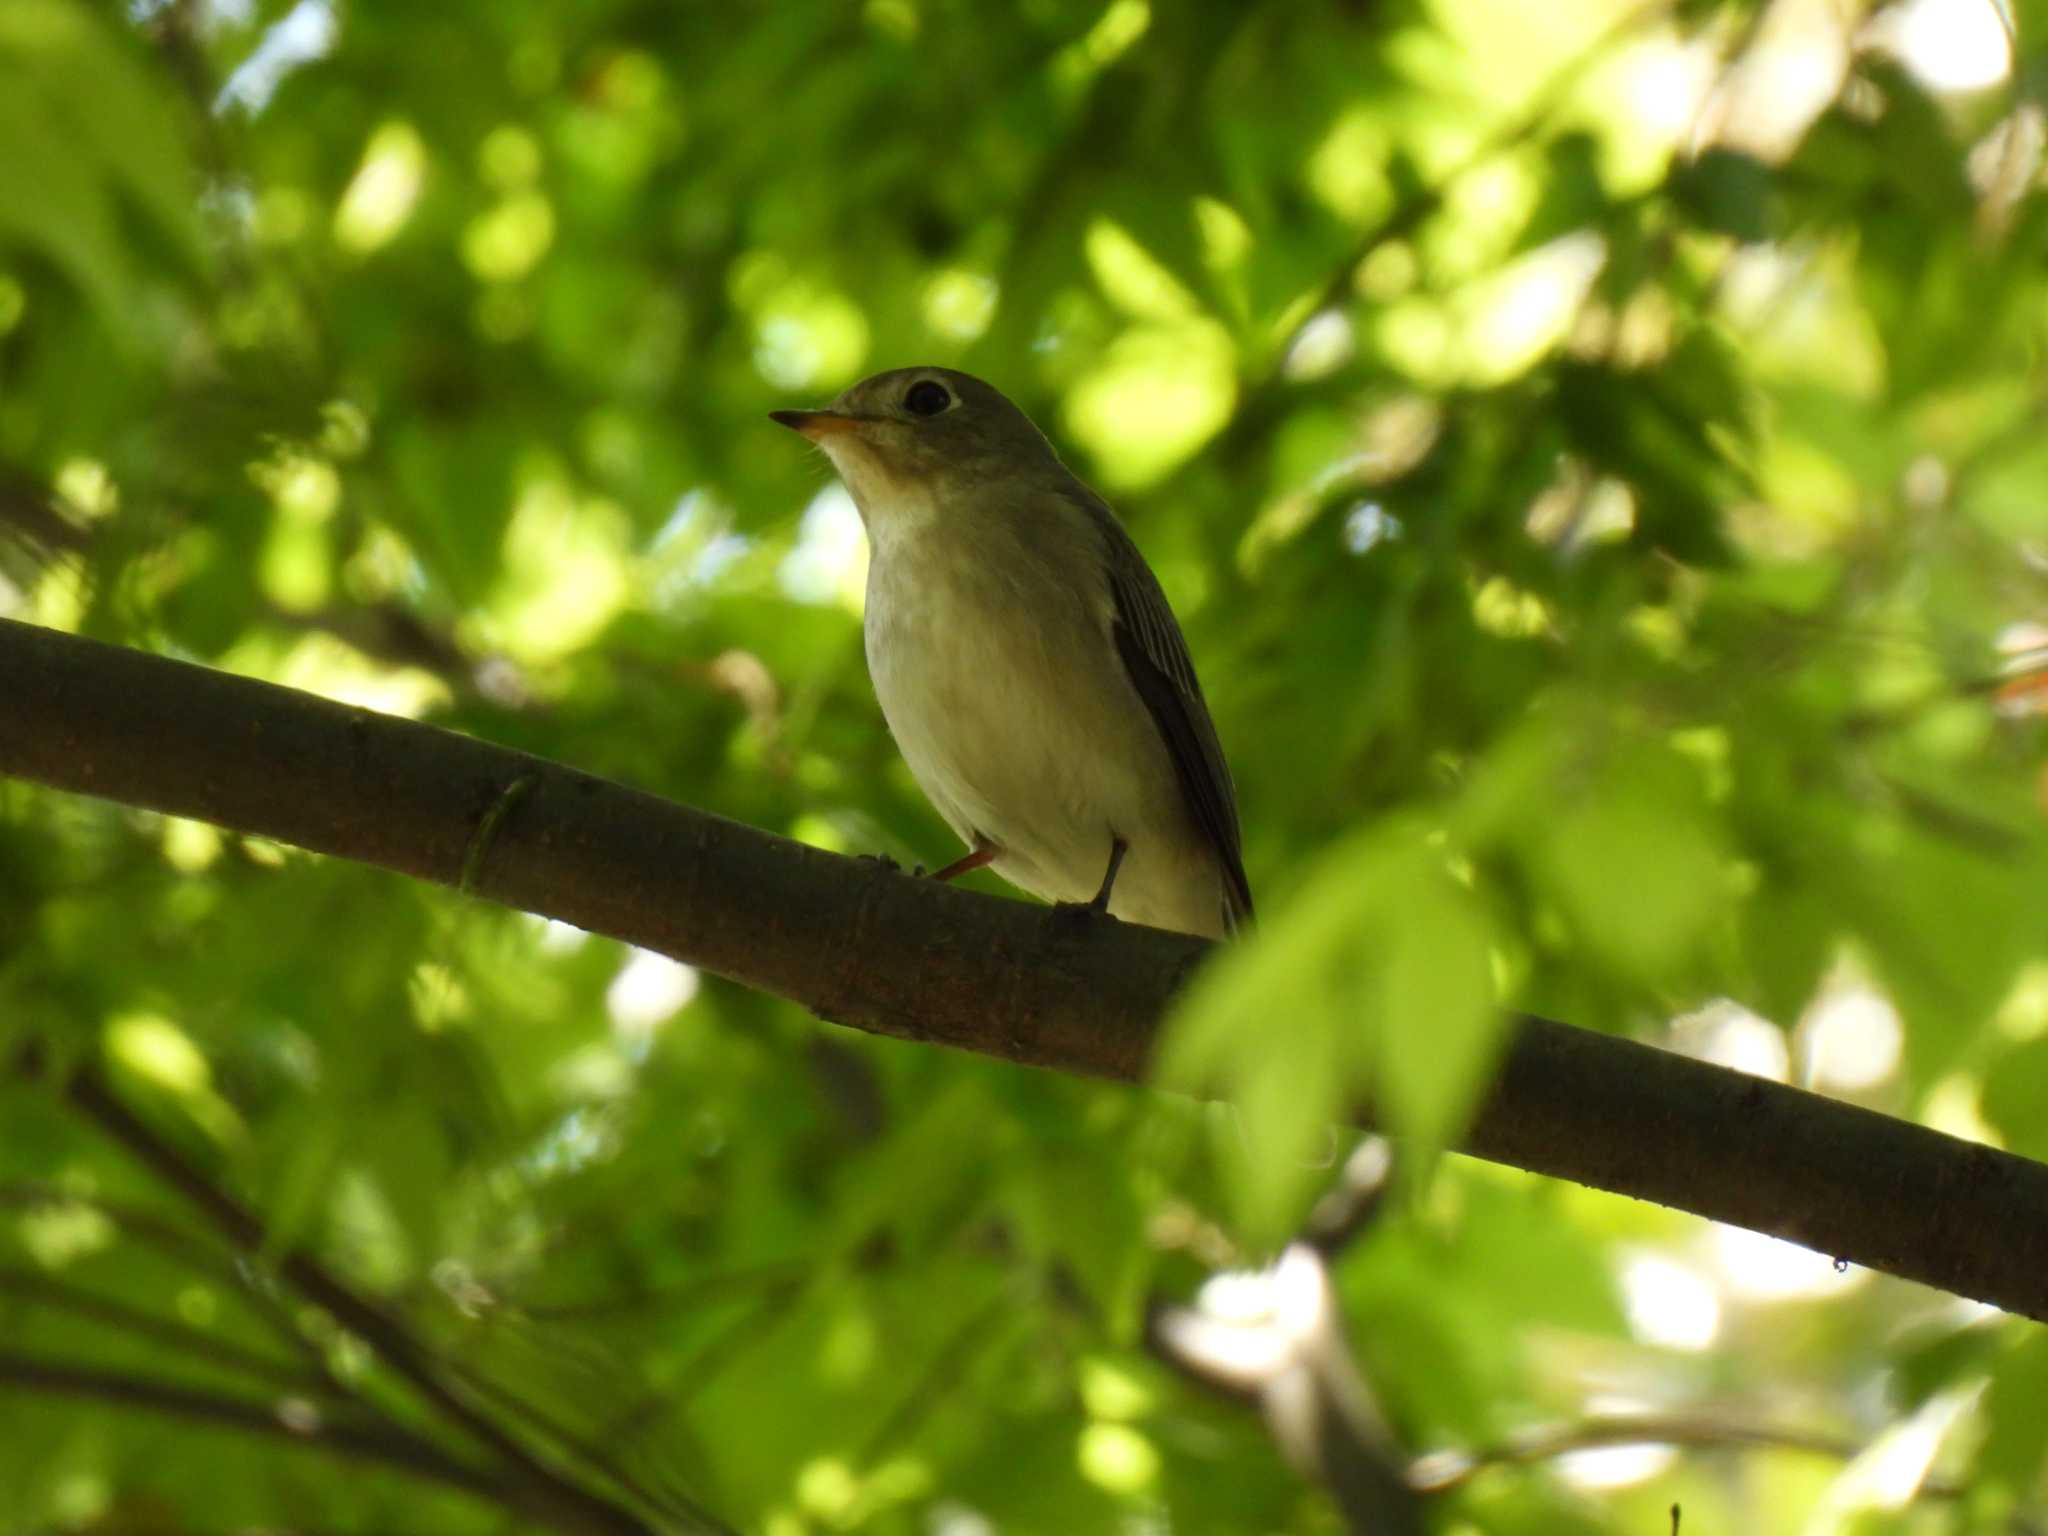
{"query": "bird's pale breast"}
pixel 1011 708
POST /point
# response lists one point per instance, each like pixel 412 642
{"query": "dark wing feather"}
pixel 1156 658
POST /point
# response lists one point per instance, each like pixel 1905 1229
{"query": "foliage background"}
pixel 1597 451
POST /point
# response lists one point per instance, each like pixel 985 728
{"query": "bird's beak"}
pixel 815 424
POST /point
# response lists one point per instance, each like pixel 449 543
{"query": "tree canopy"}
pixel 1598 453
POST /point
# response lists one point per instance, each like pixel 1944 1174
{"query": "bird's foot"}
pixel 982 853
pixel 889 864
pixel 1075 913
pixel 1117 849
pixel 1098 904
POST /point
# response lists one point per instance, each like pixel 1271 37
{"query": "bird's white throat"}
pixel 892 507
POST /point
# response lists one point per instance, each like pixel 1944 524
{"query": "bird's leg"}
pixel 982 853
pixel 1117 849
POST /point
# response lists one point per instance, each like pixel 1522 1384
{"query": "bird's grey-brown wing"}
pixel 1156 658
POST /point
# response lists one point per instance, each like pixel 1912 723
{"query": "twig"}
pixel 931 1394
pixel 309 1427
pixel 49 1292
pixel 580 1447
pixel 1443 1471
pixel 181 1247
pixel 1276 1340
pixel 698 1290
pixel 543 1487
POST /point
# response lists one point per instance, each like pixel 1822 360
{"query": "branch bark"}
pixel 874 950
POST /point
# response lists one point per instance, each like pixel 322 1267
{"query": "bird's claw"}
pixel 1077 911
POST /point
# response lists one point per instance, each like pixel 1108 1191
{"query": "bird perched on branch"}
pixel 1027 661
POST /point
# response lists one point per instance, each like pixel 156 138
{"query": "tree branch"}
pixel 543 1488
pixel 311 1428
pixel 1442 1471
pixel 47 1291
pixel 875 950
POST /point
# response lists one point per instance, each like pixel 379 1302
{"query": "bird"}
pixel 1027 661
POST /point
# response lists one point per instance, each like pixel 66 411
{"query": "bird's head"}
pixel 929 435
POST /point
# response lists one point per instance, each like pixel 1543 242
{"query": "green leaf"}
pixel 1079 1207
pixel 85 132
pixel 1627 849
pixel 1371 984
pixel 2016 1409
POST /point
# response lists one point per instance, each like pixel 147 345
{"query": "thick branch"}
pixel 878 951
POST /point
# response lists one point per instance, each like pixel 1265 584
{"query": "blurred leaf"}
pixel 1727 191
pixel 1082 1210
pixel 1629 852
pixel 2016 1409
pixel 85 129
pixel 1372 983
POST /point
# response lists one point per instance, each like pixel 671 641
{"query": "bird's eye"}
pixel 927 397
